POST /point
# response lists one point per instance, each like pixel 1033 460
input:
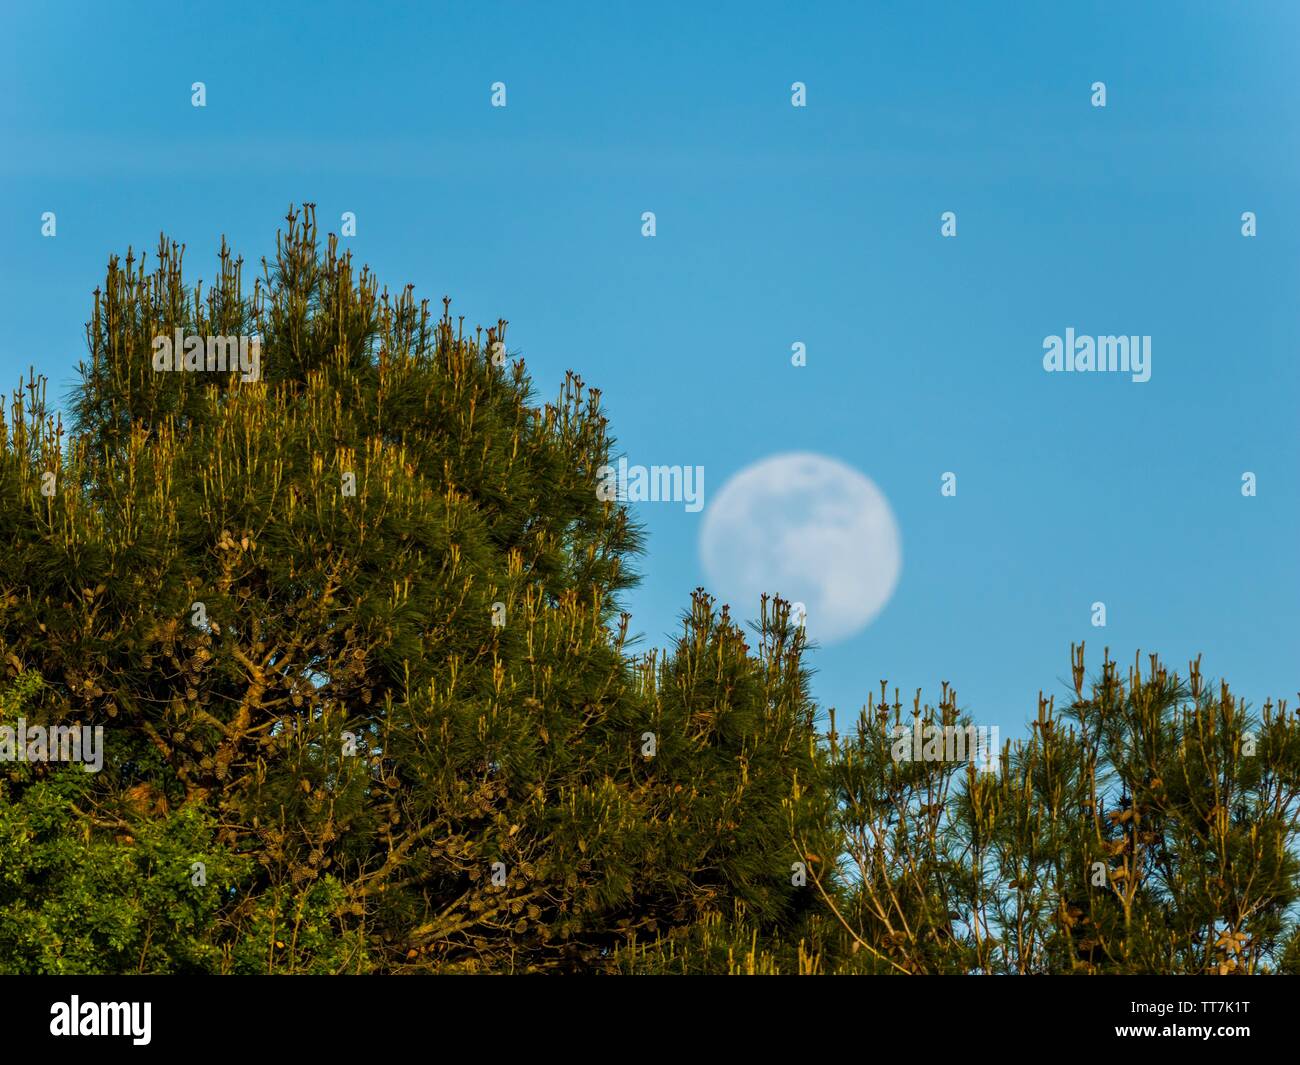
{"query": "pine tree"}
pixel 1149 828
pixel 355 617
pixel 352 622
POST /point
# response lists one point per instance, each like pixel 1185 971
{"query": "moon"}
pixel 810 529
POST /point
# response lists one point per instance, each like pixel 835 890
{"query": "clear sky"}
pixel 776 225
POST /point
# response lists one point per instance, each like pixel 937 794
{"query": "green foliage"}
pixel 1152 828
pixel 730 944
pixel 307 686
pixel 401 728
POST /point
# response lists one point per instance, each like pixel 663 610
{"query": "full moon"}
pixel 807 528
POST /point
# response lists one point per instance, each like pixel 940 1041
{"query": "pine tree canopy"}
pixel 347 608
pixel 352 631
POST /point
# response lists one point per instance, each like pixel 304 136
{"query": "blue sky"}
pixel 776 224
